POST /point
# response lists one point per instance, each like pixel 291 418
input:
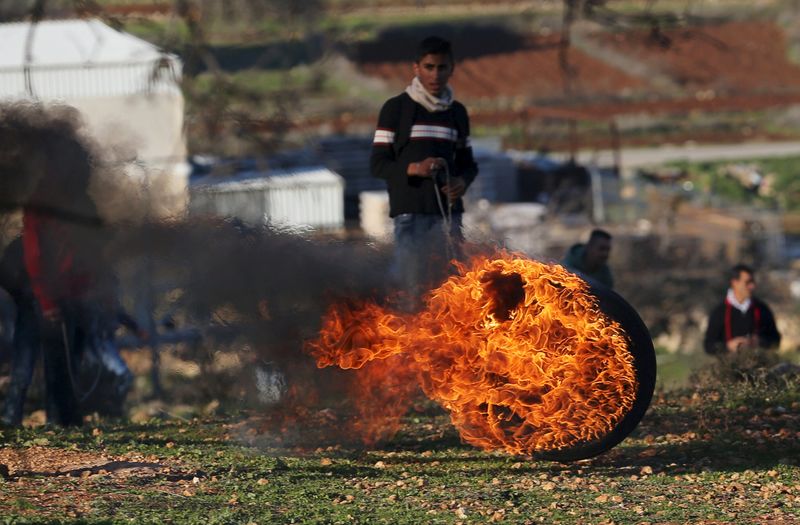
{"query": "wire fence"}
pixel 91 80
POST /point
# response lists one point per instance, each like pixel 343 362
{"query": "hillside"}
pixel 723 67
pixel 713 71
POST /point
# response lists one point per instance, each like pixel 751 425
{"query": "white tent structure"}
pixel 126 89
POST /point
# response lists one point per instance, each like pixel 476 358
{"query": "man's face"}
pixel 744 286
pixel 434 71
pixel 597 252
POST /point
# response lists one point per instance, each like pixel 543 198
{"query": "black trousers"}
pixel 25 352
pixel 62 343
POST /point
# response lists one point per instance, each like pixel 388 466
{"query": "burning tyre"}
pixel 526 357
pixel 640 346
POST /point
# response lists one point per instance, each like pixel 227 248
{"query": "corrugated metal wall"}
pixel 319 205
pixel 307 202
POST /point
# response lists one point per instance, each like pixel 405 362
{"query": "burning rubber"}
pixel 526 357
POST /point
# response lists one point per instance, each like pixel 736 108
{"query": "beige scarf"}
pixel 430 102
pixel 743 306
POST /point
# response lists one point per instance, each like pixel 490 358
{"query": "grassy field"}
pixel 711 455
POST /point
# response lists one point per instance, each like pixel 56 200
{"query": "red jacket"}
pixel 50 261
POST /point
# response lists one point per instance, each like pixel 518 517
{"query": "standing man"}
pixel 741 321
pixel 422 149
pixel 590 260
pixel 60 254
pixel 60 283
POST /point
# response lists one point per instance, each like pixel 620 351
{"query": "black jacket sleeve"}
pixel 382 162
pixel 768 335
pixel 464 161
pixel 714 341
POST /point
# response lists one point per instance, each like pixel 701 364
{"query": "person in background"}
pixel 63 241
pixel 741 321
pixel 103 372
pixel 590 260
pixel 422 150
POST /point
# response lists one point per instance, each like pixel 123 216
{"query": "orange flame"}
pixel 517 351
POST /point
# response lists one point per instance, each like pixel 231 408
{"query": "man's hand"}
pixel 738 343
pixel 455 189
pixel 427 167
pixel 52 315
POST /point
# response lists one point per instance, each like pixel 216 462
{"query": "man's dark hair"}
pixel 434 45
pixel 737 270
pixel 599 234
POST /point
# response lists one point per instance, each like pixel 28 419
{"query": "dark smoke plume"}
pixel 267 289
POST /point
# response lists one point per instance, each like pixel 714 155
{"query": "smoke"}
pixel 49 164
pixel 264 290
pixel 28 134
pixel 263 294
pixel 273 286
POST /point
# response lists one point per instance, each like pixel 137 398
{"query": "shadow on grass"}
pixel 269 56
pixel 149 470
pixel 724 440
pixel 740 429
pixel 470 39
pixel 717 454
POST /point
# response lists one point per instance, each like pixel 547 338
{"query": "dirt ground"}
pixel 731 66
pixel 736 57
pixel 531 72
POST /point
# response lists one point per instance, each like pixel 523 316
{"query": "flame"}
pixel 517 351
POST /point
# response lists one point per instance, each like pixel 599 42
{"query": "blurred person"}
pixel 590 260
pixel 103 360
pixel 63 241
pixel 60 287
pixel 422 150
pixel 741 321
